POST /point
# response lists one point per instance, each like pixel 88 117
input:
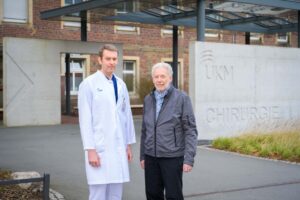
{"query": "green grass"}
pixel 281 146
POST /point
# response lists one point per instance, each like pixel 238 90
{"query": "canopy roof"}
pixel 261 16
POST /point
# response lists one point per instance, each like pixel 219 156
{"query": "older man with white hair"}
pixel 169 137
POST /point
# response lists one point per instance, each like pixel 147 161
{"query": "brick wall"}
pixel 149 45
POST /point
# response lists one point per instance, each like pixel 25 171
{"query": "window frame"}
pixel 73 73
pixel 168 31
pixel 74 25
pixel 213 34
pixel 180 72
pixel 136 77
pixel 127 29
pixel 135 6
pixel 281 41
pixel 257 38
pixel 29 17
pixel 85 58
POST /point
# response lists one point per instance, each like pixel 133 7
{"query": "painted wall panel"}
pixel 31 78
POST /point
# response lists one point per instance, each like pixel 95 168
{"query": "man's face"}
pixel 108 62
pixel 161 78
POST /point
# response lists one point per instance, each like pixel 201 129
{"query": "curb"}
pixel 207 147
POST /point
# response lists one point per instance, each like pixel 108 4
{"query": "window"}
pixel 75 16
pixel 256 38
pixel 283 38
pixel 179 70
pixel 129 75
pixel 79 68
pixel 127 29
pixel 168 32
pixel 126 7
pixel 15 11
pixel 209 33
pixel 122 8
pixel 76 74
pixel 70 2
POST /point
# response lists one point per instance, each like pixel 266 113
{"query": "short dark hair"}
pixel 108 47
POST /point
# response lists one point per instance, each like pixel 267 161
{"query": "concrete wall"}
pixel 240 88
pixel 31 78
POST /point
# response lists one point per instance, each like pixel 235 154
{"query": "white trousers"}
pixel 111 191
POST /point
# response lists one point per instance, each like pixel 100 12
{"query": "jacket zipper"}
pixel 155 121
pixel 174 132
pixel 155 124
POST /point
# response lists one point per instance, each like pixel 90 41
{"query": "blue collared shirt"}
pixel 114 80
pixel 159 97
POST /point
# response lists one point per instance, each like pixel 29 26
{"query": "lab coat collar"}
pixel 103 75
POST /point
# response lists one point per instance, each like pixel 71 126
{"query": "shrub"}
pixel 284 146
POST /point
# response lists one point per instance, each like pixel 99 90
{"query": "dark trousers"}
pixel 163 174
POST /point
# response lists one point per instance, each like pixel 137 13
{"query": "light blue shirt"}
pixel 159 97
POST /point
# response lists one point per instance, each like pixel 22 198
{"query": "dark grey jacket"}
pixel 174 133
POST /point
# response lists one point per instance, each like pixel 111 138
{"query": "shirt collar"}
pixel 162 93
pixel 113 76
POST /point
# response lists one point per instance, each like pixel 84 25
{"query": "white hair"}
pixel 163 65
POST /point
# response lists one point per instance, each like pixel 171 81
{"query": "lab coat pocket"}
pixel 123 104
pixel 100 99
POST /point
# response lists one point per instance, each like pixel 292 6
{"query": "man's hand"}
pixel 94 158
pixel 143 164
pixel 129 152
pixel 187 168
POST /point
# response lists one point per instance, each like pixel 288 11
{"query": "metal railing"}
pixel 45 180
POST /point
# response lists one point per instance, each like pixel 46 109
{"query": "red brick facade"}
pixel 148 44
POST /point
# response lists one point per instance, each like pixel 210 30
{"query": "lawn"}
pixel 281 146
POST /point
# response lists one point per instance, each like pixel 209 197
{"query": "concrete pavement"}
pixel 57 150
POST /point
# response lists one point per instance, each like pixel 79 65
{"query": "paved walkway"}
pixel 217 175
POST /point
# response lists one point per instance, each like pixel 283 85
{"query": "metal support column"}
pixel 175 52
pixel 201 20
pixel 175 56
pixel 298 28
pixel 247 38
pixel 83 28
pixel 67 75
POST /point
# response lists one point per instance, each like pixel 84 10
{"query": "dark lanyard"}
pixel 115 87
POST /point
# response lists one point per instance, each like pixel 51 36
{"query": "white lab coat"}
pixel 106 126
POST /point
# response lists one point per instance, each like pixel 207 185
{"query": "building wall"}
pixel 148 44
pixel 32 78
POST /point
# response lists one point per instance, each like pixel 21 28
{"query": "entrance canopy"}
pixel 260 16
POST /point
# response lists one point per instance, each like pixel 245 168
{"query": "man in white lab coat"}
pixel 106 127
